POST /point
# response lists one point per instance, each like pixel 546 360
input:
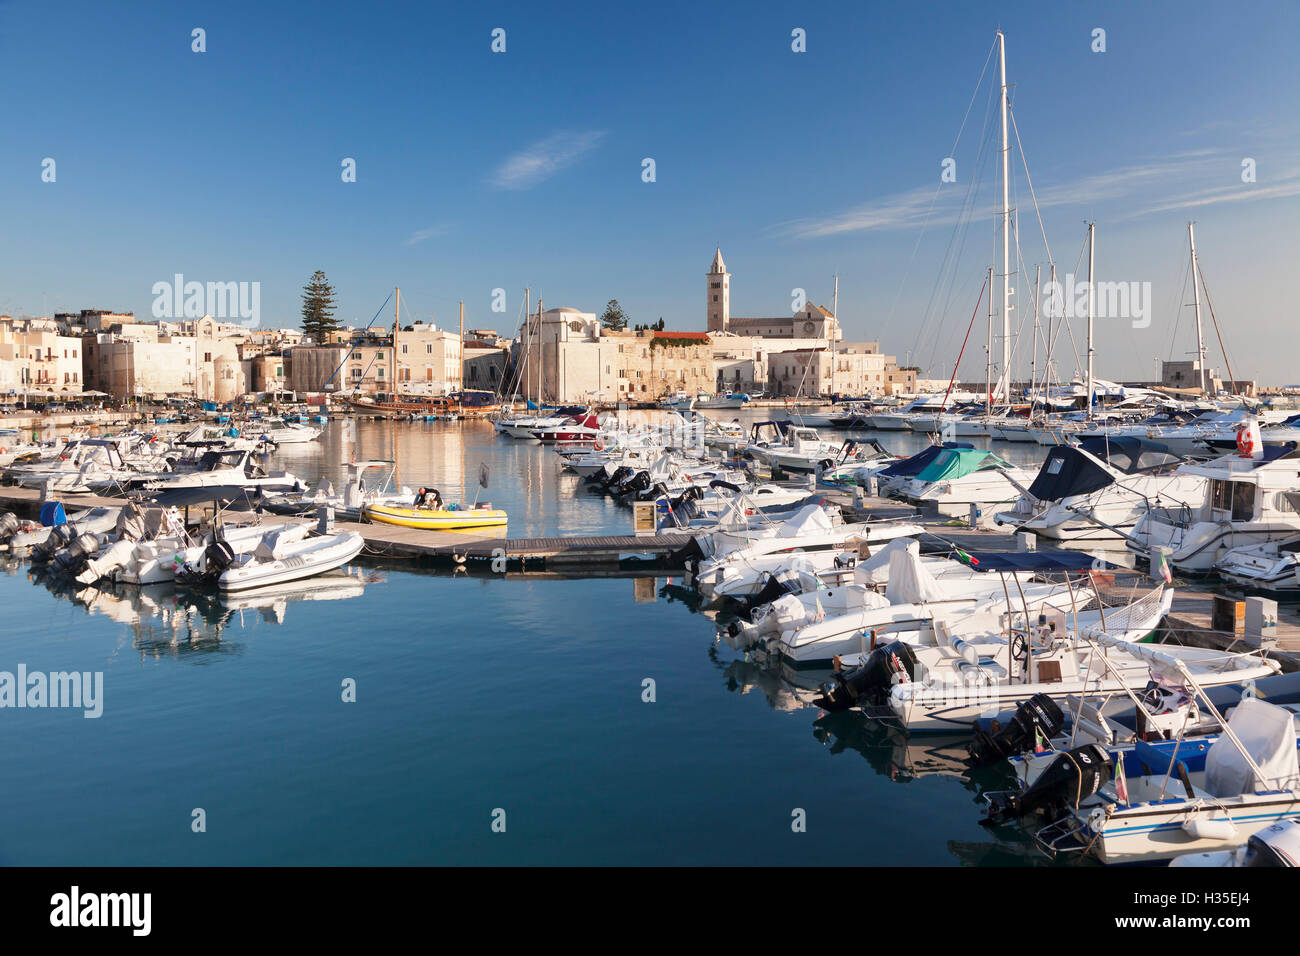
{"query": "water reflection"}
pixel 168 620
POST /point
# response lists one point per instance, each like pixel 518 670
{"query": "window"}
pixel 356 373
pixel 403 349
pixel 428 373
pixel 428 348
pixel 1235 497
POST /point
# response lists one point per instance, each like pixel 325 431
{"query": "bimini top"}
pixel 953 463
pixel 1129 453
pixel 913 465
pixel 1033 561
pixel 1068 471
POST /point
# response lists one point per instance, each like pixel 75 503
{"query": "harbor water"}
pixel 498 719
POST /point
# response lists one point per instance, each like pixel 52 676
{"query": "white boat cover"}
pixel 810 519
pixel 1267 731
pixel 910 582
pixel 273 545
pixel 875 570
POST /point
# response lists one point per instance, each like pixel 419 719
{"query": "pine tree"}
pixel 614 318
pixel 318 308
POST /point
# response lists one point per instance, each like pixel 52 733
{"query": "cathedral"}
pixel 813 322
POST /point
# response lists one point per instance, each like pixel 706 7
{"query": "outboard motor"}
pixel 776 585
pixel 80 549
pixel 1276 845
pixel 638 482
pixel 60 536
pixel 870 684
pixel 1067 781
pixel 616 477
pixel 9 525
pixel 217 557
pixel 688 555
pixel 660 490
pixel 1040 716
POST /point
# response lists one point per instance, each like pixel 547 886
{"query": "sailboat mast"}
pixel 988 357
pixel 539 352
pixel 1092 226
pixel 1006 222
pixel 1196 299
pixel 460 377
pixel 835 313
pixel 1033 362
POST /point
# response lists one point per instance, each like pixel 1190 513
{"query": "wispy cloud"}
pixel 544 159
pixel 1182 180
pixel 426 233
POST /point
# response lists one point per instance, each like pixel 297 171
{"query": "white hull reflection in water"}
pixel 164 616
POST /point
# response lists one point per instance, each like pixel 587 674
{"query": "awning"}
pixel 1032 561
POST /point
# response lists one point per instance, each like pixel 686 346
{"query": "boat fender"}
pixel 967 650
pixel 1199 829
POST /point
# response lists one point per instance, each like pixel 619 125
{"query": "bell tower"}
pixel 719 292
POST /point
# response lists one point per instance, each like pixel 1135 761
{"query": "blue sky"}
pixel 478 170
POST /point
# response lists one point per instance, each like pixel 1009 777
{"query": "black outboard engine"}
pixel 615 477
pixel 9 525
pixel 870 684
pixel 660 490
pixel 774 587
pixel 1068 780
pixel 688 555
pixel 1040 716
pixel 217 557
pixel 638 482
pixel 72 559
pixel 60 536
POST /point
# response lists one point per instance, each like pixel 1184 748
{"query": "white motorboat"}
pixel 1100 489
pixel 230 468
pixel 279 432
pixel 960 477
pixel 368 482
pixel 1246 501
pixel 1272 567
pixel 1152 800
pixel 964 677
pixel 156 561
pixel 280 555
pixel 744 572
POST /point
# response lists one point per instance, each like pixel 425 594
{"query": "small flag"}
pixel 1121 784
pixel 963 556
pixel 1162 568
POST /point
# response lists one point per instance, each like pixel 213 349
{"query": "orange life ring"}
pixel 1245 442
pixel 598 445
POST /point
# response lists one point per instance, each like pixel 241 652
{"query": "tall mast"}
pixel 539 353
pixel 528 342
pixel 988 357
pixel 1196 298
pixel 1006 223
pixel 460 375
pixel 397 322
pixel 1033 362
pixel 835 312
pixel 1091 292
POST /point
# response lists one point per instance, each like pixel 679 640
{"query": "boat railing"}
pixel 1063 836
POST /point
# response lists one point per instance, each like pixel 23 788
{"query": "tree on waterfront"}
pixel 614 318
pixel 318 308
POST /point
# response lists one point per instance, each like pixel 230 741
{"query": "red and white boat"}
pixel 580 429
